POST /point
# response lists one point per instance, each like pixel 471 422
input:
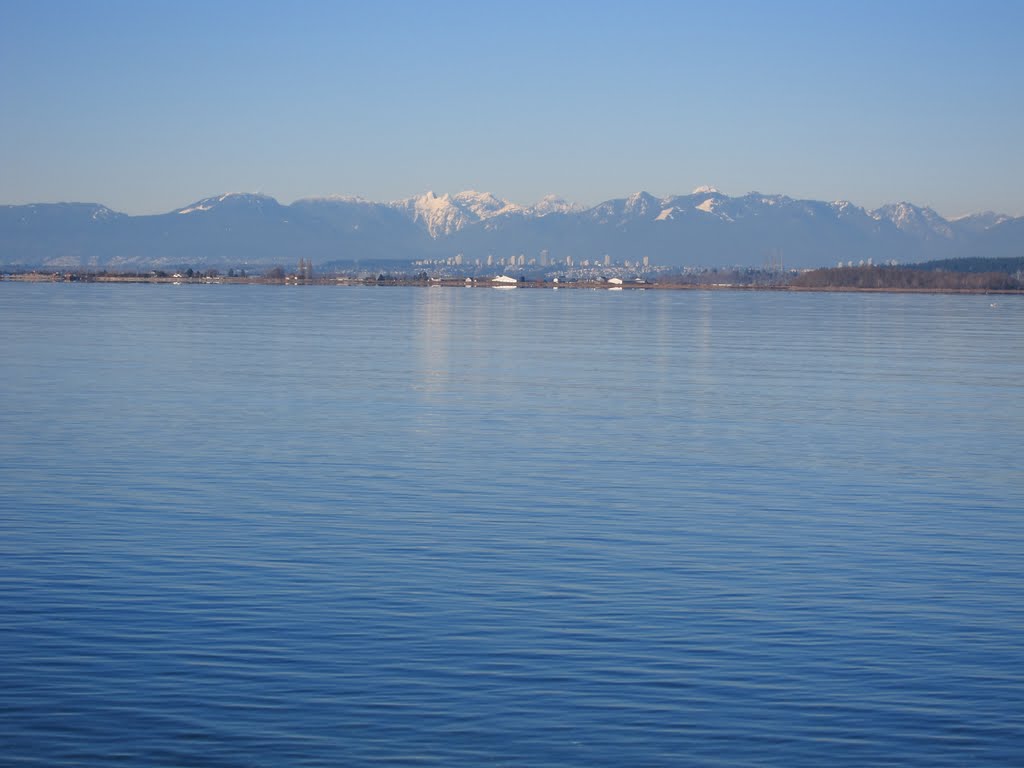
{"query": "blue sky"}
pixel 147 106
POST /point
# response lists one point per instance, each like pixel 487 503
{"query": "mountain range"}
pixel 703 228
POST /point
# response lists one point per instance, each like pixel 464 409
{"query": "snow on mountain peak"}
pixel 910 218
pixel 845 207
pixel 484 205
pixel 449 213
pixel 981 221
pixel 437 213
pixel 553 204
pixel 102 212
pixel 209 203
pixel 639 203
pixel 334 198
pixel 715 207
pixel 705 190
pixel 430 201
pixel 202 205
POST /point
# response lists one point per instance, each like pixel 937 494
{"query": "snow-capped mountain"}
pixel 914 220
pixel 706 203
pixel 705 227
pixel 449 213
pixel 638 206
pixel 484 205
pixel 230 201
pixel 552 204
pixel 979 222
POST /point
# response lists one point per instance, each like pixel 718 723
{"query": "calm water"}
pixel 268 526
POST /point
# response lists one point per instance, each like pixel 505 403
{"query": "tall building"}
pixel 607 260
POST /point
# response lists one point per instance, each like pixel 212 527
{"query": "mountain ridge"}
pixel 705 227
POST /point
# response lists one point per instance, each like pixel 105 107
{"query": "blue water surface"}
pixel 319 526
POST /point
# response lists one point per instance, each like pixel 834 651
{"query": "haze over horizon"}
pixel 145 108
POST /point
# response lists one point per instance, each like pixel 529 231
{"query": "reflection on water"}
pixel 245 525
pixel 433 331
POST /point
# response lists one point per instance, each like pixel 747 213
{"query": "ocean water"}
pixel 333 526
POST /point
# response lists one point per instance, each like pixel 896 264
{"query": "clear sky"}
pixel 147 105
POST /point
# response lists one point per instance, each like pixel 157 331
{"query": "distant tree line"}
pixel 745 276
pixel 1010 266
pixel 907 278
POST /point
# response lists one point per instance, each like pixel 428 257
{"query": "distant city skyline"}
pixel 147 107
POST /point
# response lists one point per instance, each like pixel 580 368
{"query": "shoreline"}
pixel 482 282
